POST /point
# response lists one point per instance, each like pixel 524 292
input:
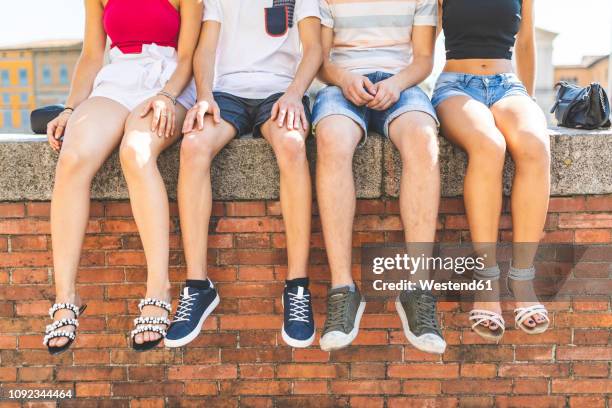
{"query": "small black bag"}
pixel 582 108
pixel 39 118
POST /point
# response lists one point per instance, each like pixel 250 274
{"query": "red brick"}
pixel 579 220
pixel 599 203
pixel 295 370
pixel 12 210
pixel 28 242
pixel 448 370
pixel 365 387
pixel 595 236
pixel 245 208
pixel 575 386
pixel 208 372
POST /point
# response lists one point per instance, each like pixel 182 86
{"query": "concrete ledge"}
pixel 246 169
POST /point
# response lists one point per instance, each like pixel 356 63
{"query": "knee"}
pixel 74 162
pixel 290 149
pixel 488 150
pixel 419 147
pixel 532 150
pixel 196 151
pixel 332 145
pixel 135 154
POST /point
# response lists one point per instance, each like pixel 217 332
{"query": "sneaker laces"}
pixel 299 306
pixel 336 310
pixel 426 312
pixel 185 304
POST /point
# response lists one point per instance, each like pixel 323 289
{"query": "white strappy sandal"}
pixel 150 324
pixel 479 316
pixel 523 314
pixel 54 329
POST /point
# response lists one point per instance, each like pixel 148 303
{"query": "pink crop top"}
pixel 132 23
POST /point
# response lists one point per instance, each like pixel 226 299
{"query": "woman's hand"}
pixel 164 115
pixel 194 120
pixel 56 128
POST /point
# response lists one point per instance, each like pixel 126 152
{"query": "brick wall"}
pixel 240 360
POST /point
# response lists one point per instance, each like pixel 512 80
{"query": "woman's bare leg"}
pixel 93 131
pixel 524 127
pixel 139 151
pixel 471 125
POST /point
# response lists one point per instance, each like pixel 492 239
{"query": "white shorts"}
pixel 131 79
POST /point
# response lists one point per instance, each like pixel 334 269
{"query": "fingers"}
pixel 163 120
pixel 189 119
pixel 290 118
pixel 281 116
pixel 199 116
pixel 170 131
pixel 275 110
pixel 146 110
pixel 369 86
pixel 304 120
pixel 156 119
pixel 363 94
pixel 216 114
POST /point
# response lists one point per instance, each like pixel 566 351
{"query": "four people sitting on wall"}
pixel 253 63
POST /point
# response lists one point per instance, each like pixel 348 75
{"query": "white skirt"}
pixel 131 79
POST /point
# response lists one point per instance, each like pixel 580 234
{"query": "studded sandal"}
pixel 150 324
pixel 53 330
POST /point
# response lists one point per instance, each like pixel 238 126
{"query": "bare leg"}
pixel 415 136
pixel 524 127
pixel 139 151
pixel 93 131
pixel 471 125
pixel 194 190
pixel 295 193
pixel 337 138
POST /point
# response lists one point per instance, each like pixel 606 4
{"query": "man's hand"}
pixel 289 111
pixel 387 93
pixel 358 89
pixel 194 120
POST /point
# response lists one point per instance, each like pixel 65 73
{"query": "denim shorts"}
pixel 247 115
pixel 331 101
pixel 487 89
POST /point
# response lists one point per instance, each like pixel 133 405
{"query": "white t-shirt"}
pixel 259 45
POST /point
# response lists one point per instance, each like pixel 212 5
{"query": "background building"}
pixel 593 68
pixel 32 75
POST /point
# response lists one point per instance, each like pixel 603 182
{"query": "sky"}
pixel 584 26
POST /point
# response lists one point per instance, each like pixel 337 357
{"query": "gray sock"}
pixel 351 286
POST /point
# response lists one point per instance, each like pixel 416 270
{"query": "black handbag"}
pixel 582 108
pixel 39 118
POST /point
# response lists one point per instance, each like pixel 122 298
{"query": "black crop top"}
pixel 480 29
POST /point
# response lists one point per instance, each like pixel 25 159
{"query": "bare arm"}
pixel 204 72
pixel 290 106
pixel 191 20
pixel 87 67
pixel 388 91
pixel 356 88
pixel 525 48
pixel 310 37
pixel 92 56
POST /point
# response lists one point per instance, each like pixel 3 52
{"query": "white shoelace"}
pixel 298 306
pixel 185 304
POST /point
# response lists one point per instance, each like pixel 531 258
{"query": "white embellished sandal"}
pixel 150 324
pixel 53 330
pixel 479 316
pixel 524 314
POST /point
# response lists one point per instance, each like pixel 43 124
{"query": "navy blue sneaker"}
pixel 195 305
pixel 298 325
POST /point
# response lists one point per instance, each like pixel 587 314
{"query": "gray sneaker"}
pixel 344 311
pixel 417 310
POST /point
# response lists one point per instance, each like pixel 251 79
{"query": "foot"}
pixel 417 311
pixel 152 311
pixel 489 300
pixel 195 305
pixel 344 310
pixel 64 314
pixel 298 324
pixel 524 291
